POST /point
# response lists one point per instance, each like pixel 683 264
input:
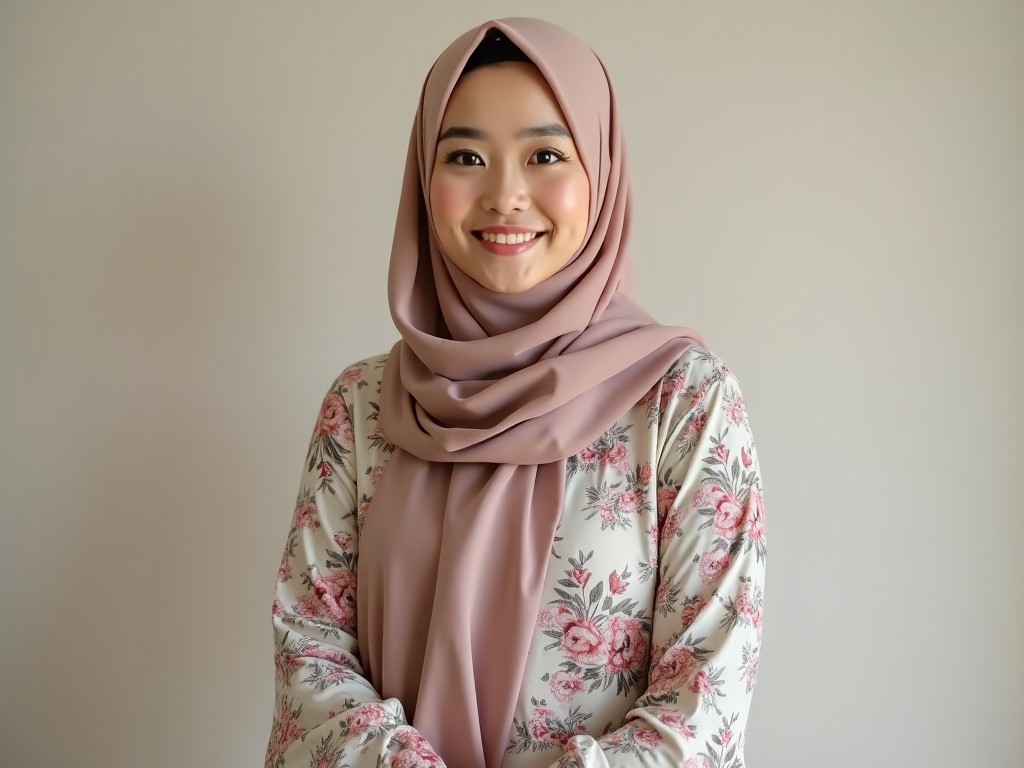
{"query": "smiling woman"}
pixel 509 197
pixel 533 533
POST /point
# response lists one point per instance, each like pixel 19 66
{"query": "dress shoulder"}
pixel 697 364
pixel 360 381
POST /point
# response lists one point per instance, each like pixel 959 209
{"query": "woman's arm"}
pixel 327 712
pixel 706 634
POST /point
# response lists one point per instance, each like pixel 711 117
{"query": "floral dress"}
pixel 646 644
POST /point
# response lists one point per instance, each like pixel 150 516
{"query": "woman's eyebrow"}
pixel 460 132
pixel 539 131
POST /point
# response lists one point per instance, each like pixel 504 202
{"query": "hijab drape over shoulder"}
pixel 485 397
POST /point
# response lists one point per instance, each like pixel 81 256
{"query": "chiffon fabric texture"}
pixel 485 396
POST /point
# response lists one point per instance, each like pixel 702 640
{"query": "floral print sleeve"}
pixel 707 570
pixel 326 712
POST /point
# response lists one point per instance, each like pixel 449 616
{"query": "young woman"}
pixel 532 533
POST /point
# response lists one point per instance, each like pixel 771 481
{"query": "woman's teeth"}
pixel 502 239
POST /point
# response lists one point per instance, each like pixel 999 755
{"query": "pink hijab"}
pixel 485 397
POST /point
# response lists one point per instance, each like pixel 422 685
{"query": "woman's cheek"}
pixel 567 203
pixel 448 204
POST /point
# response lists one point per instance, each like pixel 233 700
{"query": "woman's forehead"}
pixel 512 97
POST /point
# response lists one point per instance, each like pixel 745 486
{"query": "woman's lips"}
pixel 511 245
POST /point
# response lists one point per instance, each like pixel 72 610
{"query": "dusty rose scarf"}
pixel 485 396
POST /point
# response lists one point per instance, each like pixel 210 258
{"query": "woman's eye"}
pixel 548 156
pixel 463 157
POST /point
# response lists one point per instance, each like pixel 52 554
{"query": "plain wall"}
pixel 196 210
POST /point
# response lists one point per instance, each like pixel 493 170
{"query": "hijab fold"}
pixel 485 397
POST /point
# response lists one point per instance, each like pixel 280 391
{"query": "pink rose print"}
pixel 700 394
pixel 334 418
pixel 666 497
pixel 756 530
pixel 671 526
pixel 284 666
pixel 538 727
pixel 692 610
pixel 706 496
pixel 627 646
pixel 305 515
pixel 555 618
pixel 702 683
pixel 671 388
pixel 725 736
pixel 606 512
pixel 325 653
pixel 414 751
pixel 278 609
pixel 336 676
pixel 409 739
pixel 644 478
pixel 697 762
pixel 750 672
pixel 343 584
pixel 338 594
pixel 728 517
pixel 696 425
pixel 675 721
pixel 325 469
pixel 288 730
pixel 376 474
pixel 583 642
pixel 743 605
pixel 645 737
pixel 735 410
pixel 676 384
pixel 353 376
pixel 746 458
pixel 630 501
pixel 407 758
pixel 675 669
pixel 343 540
pixel 615 583
pixel 366 717
pixel 307 607
pixel 565 685
pixel 588 455
pixel 284 570
pixel 661 596
pixel 581 576
pixel 755 509
pixel 712 565
pixel 616 457
pixel 722 453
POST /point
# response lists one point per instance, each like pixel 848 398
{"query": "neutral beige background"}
pixel 196 202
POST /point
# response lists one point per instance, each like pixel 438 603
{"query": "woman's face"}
pixel 509 197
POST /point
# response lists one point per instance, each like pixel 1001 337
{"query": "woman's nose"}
pixel 505 191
